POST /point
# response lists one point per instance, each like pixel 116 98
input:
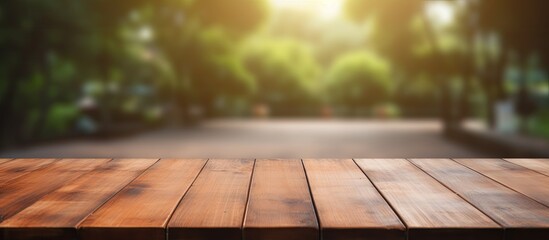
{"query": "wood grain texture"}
pixel 26 190
pixel 280 205
pixel 19 167
pixel 521 179
pixel 430 210
pixel 141 209
pixel 4 160
pixel 214 206
pixel 56 215
pixel 348 205
pixel 436 198
pixel 540 165
pixel 520 215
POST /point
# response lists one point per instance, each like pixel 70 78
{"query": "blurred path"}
pixel 269 139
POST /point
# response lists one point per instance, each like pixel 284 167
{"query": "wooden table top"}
pixel 286 199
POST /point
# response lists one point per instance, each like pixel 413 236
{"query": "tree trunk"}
pixel 464 108
pixel 8 127
pixel 446 103
pixel 45 101
pixel 490 109
pixel 105 114
pixel 494 91
pixel 7 106
pixel 446 107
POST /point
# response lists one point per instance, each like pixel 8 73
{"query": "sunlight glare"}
pixel 145 33
pixel 327 9
pixel 440 12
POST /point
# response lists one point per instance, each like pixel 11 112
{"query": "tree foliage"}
pixel 393 20
pixel 216 69
pixel 522 25
pixel 359 80
pixel 68 63
pixel 286 73
pixel 237 16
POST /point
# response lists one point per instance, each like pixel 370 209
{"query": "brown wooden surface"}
pixel 3 160
pixel 56 215
pixel 521 216
pixel 23 191
pixel 430 210
pixel 538 165
pixel 521 179
pixel 10 170
pixel 146 199
pixel 348 205
pixel 214 206
pixel 280 205
pixel 142 208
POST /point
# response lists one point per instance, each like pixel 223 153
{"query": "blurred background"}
pixel 274 78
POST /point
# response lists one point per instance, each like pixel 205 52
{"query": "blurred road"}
pixel 269 139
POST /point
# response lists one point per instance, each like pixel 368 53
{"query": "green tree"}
pixel 200 38
pixel 217 70
pixel 286 73
pixel 35 37
pixel 524 33
pixel 107 19
pixel 394 36
pixel 359 80
pixel 397 38
pixel 238 17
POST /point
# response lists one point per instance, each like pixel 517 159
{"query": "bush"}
pixel 60 119
pixel 359 80
pixel 286 73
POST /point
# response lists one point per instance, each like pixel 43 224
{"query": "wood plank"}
pixel 348 205
pixel 430 210
pixel 214 206
pixel 26 190
pixel 142 208
pixel 521 179
pixel 540 165
pixel 280 205
pixel 522 217
pixel 56 215
pixel 19 167
pixel 3 160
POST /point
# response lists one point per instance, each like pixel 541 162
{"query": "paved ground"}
pixel 269 139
